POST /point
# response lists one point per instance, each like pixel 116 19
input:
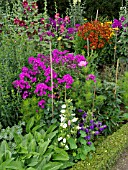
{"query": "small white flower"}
pixel 64 125
pixel 74 119
pixel 62 111
pixel 77 127
pixel 66 147
pixel 62 118
pixel 60 138
pixel 63 106
pixel 64 140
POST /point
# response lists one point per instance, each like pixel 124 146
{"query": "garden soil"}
pixel 122 162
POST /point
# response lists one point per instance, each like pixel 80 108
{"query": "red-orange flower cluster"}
pixel 97 33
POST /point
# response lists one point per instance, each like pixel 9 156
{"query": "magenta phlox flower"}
pixel 116 24
pixel 60 80
pixel 41 103
pixel 23 75
pixel 72 66
pixel 33 73
pixel 33 79
pixel 48 78
pixel 25 94
pixel 68 80
pixel 79 58
pixel 91 77
pixel 25 69
pixel 122 19
pixel 50 96
pixel 70 57
pixel 21 84
pixel 41 89
pixel 47 71
pixel 82 63
pixel 31 60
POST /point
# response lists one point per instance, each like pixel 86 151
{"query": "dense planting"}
pixel 61 85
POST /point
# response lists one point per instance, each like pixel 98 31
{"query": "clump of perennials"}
pixel 90 126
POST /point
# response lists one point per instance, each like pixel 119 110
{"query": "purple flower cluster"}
pixel 37 79
pixel 67 79
pixel 91 77
pixel 69 59
pixel 91 127
pixel 60 26
pixel 119 23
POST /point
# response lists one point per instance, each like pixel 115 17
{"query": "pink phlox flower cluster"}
pixel 41 89
pixel 82 63
pixel 91 77
pixel 21 84
pixel 67 79
pixel 25 94
pixel 41 103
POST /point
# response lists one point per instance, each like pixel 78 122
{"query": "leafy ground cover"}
pixel 63 86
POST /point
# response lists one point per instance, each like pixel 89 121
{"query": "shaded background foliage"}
pixel 107 8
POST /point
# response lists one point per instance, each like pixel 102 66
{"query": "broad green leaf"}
pixel 82 156
pixel 60 154
pixel 51 128
pixel 83 134
pixel 17 138
pixel 43 147
pixel 51 135
pixel 30 124
pixel 43 133
pixel 41 164
pixel 15 165
pixel 67 165
pixel 7 154
pixel 53 166
pixel 5 163
pixel 72 143
pixel 125 116
pixel 83 141
pixel 33 164
pixel 36 128
pixel 37 136
pixel 4 147
pixel 30 168
pixel 32 146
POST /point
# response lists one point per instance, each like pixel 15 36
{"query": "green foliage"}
pixel 109 112
pixel 76 13
pixel 123 83
pixel 30 108
pixel 107 153
pixel 35 149
pixel 123 38
pixel 86 97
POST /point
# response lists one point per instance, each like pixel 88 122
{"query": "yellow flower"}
pixel 116 28
pixel 101 24
pixel 85 19
pixel 109 22
pixel 112 34
pixel 59 38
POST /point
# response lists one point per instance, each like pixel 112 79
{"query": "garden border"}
pixel 107 153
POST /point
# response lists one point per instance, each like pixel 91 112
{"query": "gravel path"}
pixel 122 163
